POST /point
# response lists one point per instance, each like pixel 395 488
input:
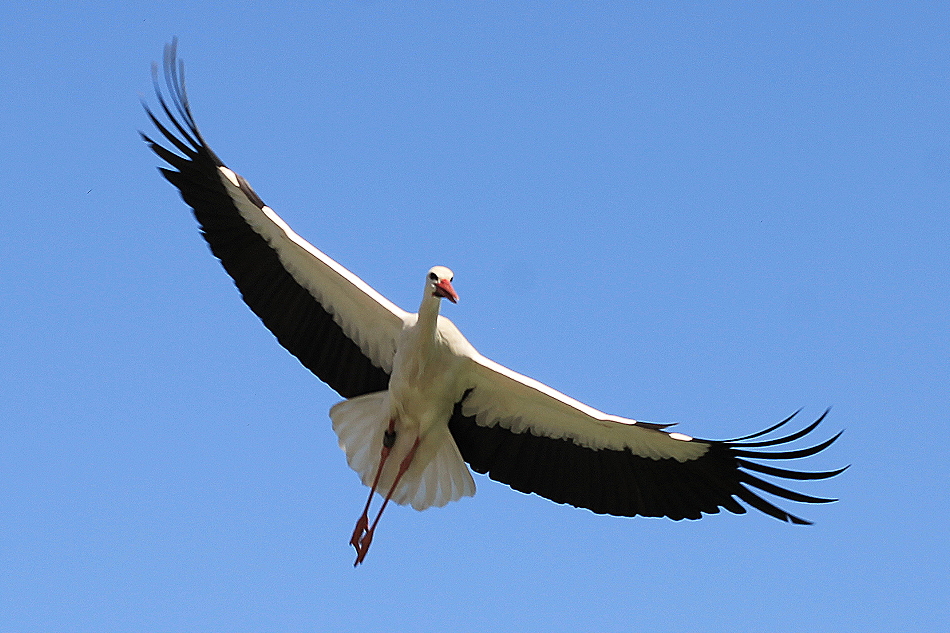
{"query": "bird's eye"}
pixel 433 277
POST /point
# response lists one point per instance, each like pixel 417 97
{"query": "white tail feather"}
pixel 359 424
pixel 444 476
pixel 438 473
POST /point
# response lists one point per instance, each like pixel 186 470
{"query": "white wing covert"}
pixel 500 396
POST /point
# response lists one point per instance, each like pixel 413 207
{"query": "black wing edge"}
pixel 623 484
pixel 289 311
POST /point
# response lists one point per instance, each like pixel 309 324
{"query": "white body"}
pixel 430 358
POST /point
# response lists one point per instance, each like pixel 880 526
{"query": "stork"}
pixel 420 401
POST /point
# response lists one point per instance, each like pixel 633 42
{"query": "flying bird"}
pixel 421 401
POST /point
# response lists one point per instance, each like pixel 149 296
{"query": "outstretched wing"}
pixel 537 440
pixel 334 323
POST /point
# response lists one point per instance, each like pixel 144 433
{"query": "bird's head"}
pixel 439 283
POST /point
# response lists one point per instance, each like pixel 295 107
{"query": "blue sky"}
pixel 705 213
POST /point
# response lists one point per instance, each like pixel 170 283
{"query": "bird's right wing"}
pixel 333 322
pixel 536 439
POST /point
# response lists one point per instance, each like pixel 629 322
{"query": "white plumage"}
pixel 421 401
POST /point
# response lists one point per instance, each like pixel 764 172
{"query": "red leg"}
pixel 368 536
pixel 363 522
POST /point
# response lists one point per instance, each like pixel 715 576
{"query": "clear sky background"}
pixel 705 213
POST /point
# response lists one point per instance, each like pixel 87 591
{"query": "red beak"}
pixel 445 290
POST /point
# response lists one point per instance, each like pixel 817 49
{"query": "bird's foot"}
pixel 363 547
pixel 362 525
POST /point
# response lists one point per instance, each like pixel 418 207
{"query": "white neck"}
pixel 429 311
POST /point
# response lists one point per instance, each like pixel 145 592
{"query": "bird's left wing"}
pixel 333 322
pixel 537 440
